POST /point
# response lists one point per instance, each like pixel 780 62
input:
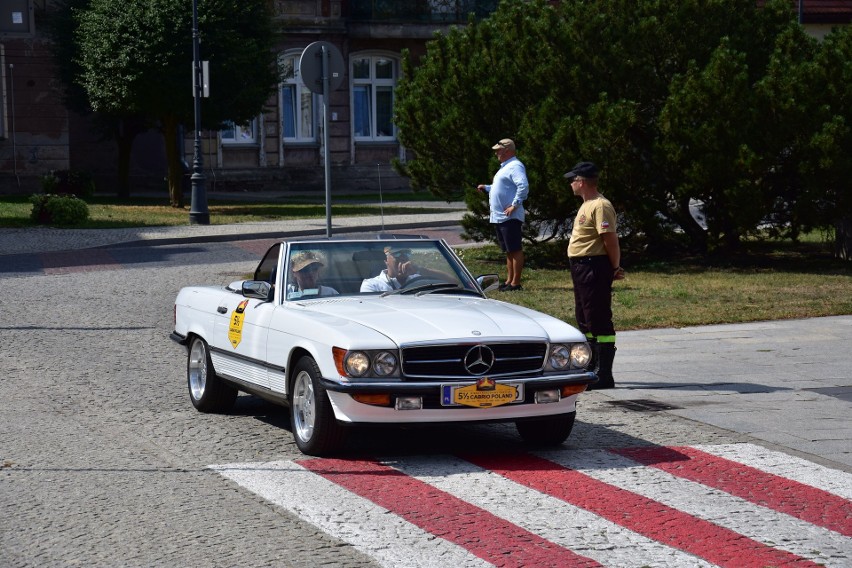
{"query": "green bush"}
pixel 68 182
pixel 50 183
pixel 63 210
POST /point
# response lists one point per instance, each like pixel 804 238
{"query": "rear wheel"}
pixel 207 392
pixel 549 431
pixel 315 428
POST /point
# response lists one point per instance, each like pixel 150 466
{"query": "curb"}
pixel 217 238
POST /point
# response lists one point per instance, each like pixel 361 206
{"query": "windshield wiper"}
pixel 432 287
pixel 446 288
pixel 438 287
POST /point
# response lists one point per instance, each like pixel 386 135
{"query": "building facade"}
pixel 282 148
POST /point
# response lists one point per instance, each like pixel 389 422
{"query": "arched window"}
pixel 373 83
pixel 298 103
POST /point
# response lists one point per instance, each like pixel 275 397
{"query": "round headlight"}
pixel 384 363
pixel 560 357
pixel 357 363
pixel 581 355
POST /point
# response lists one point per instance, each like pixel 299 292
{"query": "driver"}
pixel 306 265
pixel 400 269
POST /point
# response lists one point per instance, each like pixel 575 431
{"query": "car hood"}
pixel 410 319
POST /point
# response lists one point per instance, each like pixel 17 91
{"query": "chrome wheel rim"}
pixel 304 406
pixel 197 369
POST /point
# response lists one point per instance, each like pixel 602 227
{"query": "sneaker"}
pixel 510 288
pixel 504 286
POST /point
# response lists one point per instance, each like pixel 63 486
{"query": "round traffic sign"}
pixel 310 66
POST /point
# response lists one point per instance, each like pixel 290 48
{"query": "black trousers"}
pixel 592 278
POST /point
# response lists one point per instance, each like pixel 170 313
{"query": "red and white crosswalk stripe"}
pixel 783 465
pixel 554 519
pixel 389 539
pixel 799 500
pixel 684 506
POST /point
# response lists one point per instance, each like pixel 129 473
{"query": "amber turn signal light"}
pixel 374 399
pixel 568 390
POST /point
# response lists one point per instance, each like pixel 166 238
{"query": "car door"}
pixel 240 338
pixel 242 328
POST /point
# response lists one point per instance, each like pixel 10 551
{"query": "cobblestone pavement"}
pixel 104 461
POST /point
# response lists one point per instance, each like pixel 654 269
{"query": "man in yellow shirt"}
pixel 595 258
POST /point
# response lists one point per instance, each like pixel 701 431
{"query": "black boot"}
pixel 605 357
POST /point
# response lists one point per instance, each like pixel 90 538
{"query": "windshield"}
pixel 347 268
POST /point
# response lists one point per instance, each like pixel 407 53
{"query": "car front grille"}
pixel 471 360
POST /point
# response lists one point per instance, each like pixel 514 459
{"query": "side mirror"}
pixel 488 282
pixel 257 289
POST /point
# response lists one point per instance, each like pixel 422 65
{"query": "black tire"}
pixel 315 429
pixel 550 431
pixel 207 392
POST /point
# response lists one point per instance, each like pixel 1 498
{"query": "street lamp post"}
pixel 199 214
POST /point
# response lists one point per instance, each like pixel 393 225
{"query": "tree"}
pixel 122 127
pixel 831 164
pixel 679 100
pixel 134 59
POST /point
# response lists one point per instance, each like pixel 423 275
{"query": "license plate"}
pixel 485 393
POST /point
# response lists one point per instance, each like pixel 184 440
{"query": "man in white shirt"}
pixel 506 196
pixel 399 270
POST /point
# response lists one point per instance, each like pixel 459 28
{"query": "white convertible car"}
pixel 393 331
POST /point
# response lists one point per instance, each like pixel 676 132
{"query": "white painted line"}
pixel 385 537
pixel 784 465
pixel 762 524
pixel 548 513
pixel 572 527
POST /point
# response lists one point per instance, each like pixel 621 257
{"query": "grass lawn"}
pixel 766 281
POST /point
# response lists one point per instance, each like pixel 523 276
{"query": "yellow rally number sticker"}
pixel 235 329
pixel 485 393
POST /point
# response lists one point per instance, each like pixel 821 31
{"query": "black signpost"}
pixel 199 214
pixel 322 69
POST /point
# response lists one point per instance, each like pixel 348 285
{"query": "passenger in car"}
pixel 306 266
pixel 400 271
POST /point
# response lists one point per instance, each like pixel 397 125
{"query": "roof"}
pixel 826 11
pixel 822 11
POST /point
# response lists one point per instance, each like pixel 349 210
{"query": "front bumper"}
pixel 414 388
pixel 347 409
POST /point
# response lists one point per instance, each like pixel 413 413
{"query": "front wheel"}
pixel 207 392
pixel 550 431
pixel 315 429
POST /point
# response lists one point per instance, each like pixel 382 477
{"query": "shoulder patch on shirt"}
pixel 604 225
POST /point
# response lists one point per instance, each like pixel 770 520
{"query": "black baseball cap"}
pixel 583 170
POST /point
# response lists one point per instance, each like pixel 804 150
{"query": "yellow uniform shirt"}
pixel 595 216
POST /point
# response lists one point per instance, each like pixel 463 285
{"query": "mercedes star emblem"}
pixel 479 359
